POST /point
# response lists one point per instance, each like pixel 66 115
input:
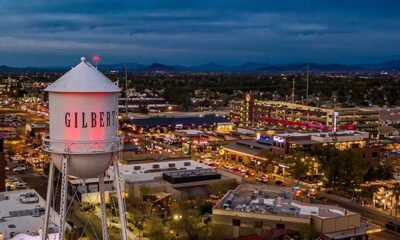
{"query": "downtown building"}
pixel 272 212
pixel 256 113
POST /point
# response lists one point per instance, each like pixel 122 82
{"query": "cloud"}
pixel 187 32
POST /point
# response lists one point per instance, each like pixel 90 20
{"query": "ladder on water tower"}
pixel 64 186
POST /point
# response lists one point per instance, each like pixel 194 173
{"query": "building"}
pixel 22 214
pixel 180 178
pixel 341 140
pixel 271 212
pixel 138 103
pixel 3 164
pixel 254 152
pixel 165 124
pixel 252 112
pixel 241 149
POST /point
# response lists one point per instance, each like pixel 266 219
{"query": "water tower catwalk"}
pixel 83 137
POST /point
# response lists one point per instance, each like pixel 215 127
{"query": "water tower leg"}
pixel 103 208
pixel 48 201
pixel 63 197
pixel 121 205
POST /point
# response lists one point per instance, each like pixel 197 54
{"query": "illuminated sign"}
pixel 89 119
pixel 335 114
pixel 221 151
pixel 278 139
pixel 264 138
pixel 376 230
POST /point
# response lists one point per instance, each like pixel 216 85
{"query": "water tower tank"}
pixel 83 111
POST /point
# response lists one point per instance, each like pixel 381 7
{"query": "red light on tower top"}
pixel 96 58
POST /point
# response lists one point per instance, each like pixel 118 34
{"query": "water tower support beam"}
pixel 48 201
pixel 121 205
pixel 103 208
pixel 63 197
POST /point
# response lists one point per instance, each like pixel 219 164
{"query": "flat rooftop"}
pixel 22 212
pixel 275 200
pixel 318 137
pixel 248 147
pixel 324 134
pixel 150 171
pixel 185 176
pixel 173 121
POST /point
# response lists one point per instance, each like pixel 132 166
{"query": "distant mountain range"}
pixel 387 66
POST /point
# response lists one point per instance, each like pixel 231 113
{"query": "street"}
pixel 372 215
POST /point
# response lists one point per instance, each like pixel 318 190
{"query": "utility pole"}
pixel 293 90
pixel 308 74
pixel 126 91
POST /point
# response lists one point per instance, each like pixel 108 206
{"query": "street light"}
pixel 178 218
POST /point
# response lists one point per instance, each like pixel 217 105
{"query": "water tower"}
pixel 83 136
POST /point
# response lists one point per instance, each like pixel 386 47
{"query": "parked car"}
pixel 19 169
pixel 250 173
pixel 262 179
pixel 29 198
pixel 280 183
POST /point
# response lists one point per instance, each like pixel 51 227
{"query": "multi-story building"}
pixel 252 112
pixel 271 212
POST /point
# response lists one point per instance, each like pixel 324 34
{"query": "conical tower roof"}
pixel 84 77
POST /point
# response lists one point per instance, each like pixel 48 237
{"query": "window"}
pixel 171 164
pixel 236 222
pixel 375 154
pixel 258 224
pixel 136 168
pixel 186 164
pixel 156 166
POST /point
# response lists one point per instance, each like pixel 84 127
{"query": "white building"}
pixel 22 216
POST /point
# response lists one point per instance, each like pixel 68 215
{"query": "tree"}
pixel 154 229
pixel 298 164
pixel 270 157
pixel 386 169
pixel 176 95
pixel 343 169
pixel 246 161
pixel 219 188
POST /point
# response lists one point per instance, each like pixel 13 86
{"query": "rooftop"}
pixel 149 171
pixel 247 147
pixel 316 137
pixel 184 176
pixel 173 121
pixel 274 200
pixel 22 212
pixel 84 77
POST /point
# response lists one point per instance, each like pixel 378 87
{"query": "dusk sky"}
pixel 44 33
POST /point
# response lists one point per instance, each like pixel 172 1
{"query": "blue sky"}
pixel 41 33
